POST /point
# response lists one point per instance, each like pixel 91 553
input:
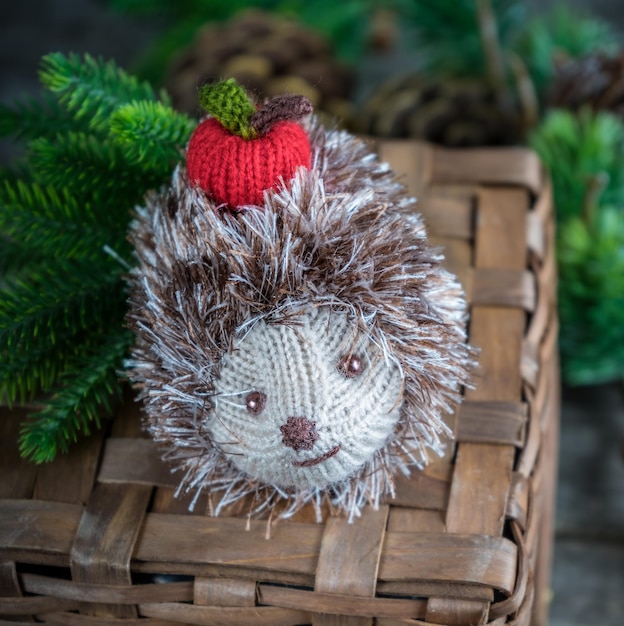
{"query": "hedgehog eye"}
pixel 350 365
pixel 255 402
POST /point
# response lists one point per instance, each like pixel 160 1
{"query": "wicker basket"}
pixel 97 538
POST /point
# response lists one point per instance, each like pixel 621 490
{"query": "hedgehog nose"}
pixel 299 433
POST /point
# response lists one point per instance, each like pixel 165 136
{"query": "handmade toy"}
pixel 298 341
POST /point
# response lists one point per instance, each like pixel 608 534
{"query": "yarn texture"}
pixel 236 172
pixel 311 407
pixel 241 152
pixel 305 353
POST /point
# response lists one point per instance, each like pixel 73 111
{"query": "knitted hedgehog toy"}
pixel 297 339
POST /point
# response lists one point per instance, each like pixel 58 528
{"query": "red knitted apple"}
pixel 240 151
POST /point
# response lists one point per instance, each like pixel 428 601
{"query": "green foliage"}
pixel 448 34
pixel 90 89
pixel 150 134
pixel 591 297
pixel 87 387
pixel 584 155
pixel 564 32
pixel 577 149
pixel 97 141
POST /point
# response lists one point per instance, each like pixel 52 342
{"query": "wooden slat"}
pixel 340 605
pixel 132 460
pixel 503 287
pixel 518 503
pixel 17 475
pixel 424 489
pixel 349 560
pixel 457 259
pixel 292 548
pixel 447 217
pixel 449 557
pixel 411 519
pixel 482 477
pixel 10 587
pixel 487 166
pixel 9 583
pixel 224 616
pixel 410 160
pixel 35 604
pixel 72 476
pixel 75 619
pixel 105 540
pixel 225 592
pixel 429 589
pixel 492 422
pixel 107 594
pixel 38 532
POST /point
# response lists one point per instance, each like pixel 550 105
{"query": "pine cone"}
pixel 450 113
pixel 269 56
pixel 595 80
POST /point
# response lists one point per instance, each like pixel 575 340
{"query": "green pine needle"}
pixel 150 134
pixel 86 394
pixel 92 89
pixel 576 149
pixel 448 36
pixel 591 297
pixel 562 32
pixel 96 144
pixel 98 172
pixel 46 221
pixel 62 294
pixel 31 119
pixel 584 154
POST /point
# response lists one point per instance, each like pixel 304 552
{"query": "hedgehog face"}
pixel 305 404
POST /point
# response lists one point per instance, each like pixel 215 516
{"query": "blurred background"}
pixel 458 73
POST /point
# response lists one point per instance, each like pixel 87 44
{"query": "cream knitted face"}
pixel 305 404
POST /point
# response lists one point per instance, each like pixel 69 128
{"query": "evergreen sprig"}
pixel 577 149
pixel 150 133
pixel 591 297
pixel 563 32
pixel 87 389
pixel 91 89
pixel 449 37
pixel 97 141
pixel 584 154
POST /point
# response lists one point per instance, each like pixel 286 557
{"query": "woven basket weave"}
pixel 97 538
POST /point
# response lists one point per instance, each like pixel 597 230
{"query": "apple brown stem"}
pixel 279 109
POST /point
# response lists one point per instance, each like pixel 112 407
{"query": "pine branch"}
pixel 92 89
pixel 82 399
pixel 563 31
pixel 63 218
pixel 96 171
pixel 14 257
pixel 62 294
pixel 578 148
pixel 591 297
pixel 34 118
pixel 150 134
pixel 447 32
pixel 50 222
pixel 32 363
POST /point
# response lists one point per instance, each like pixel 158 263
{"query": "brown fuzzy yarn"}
pixel 341 235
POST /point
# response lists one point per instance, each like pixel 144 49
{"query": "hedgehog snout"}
pixel 299 433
